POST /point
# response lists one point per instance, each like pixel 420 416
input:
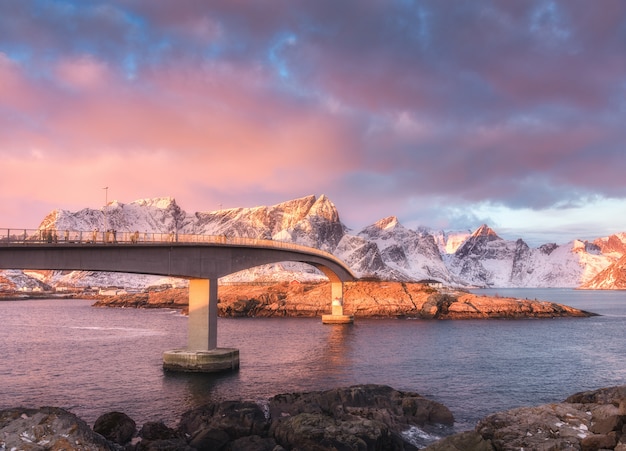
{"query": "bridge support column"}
pixel 202 354
pixel 337 316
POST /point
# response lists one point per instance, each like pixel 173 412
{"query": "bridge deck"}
pixel 96 240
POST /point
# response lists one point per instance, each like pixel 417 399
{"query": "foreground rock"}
pixel 586 421
pixel 116 427
pixel 363 417
pixel 362 299
pixel 48 428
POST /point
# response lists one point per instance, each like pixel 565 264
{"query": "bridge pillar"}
pixel 337 316
pixel 202 354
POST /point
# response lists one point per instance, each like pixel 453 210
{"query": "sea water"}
pixel 94 360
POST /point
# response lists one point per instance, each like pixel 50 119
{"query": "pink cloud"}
pixel 217 128
pixel 18 92
pixel 84 72
pixel 451 101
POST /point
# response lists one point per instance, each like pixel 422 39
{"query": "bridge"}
pixel 202 259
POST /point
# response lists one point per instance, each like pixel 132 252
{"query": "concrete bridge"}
pixel 200 258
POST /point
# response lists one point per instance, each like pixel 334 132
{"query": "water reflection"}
pixel 473 367
pixel 273 361
pixel 339 344
pixel 332 359
pixel 200 388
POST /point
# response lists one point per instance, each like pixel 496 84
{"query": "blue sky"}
pixel 447 114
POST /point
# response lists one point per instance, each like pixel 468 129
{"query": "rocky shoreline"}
pixel 587 421
pixel 364 299
pixel 362 417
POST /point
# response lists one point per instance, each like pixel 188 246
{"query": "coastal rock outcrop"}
pixel 361 417
pixel 585 421
pixel 48 428
pixel 175 298
pixel 367 417
pixel 223 422
pixel 373 299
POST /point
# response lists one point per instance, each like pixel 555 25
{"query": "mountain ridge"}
pixel 384 250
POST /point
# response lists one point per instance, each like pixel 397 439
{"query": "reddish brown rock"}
pixel 373 299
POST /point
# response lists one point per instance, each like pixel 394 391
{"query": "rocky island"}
pixel 363 299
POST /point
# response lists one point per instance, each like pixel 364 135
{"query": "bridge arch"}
pixel 202 260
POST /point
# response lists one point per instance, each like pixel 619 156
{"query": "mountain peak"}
pixel 157 202
pixel 390 222
pixel 323 207
pixel 485 230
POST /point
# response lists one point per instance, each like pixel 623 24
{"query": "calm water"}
pixel 69 354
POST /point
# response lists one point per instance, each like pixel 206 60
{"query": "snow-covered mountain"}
pixel 485 259
pixel 385 249
pixel 448 242
pixel 13 280
pixel 611 278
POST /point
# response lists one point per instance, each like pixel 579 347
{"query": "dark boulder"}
pixel 235 418
pixel 464 441
pixel 156 436
pixel 155 430
pixel 368 417
pixel 116 427
pixel 316 431
pixel 436 306
pixel 255 443
pixel 397 409
pixel 162 445
pixel 210 439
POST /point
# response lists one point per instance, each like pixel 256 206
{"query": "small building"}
pixel 432 283
pixel 111 291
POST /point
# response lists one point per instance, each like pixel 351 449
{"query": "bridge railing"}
pixel 32 237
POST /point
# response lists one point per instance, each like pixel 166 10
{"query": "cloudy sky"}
pixel 445 113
